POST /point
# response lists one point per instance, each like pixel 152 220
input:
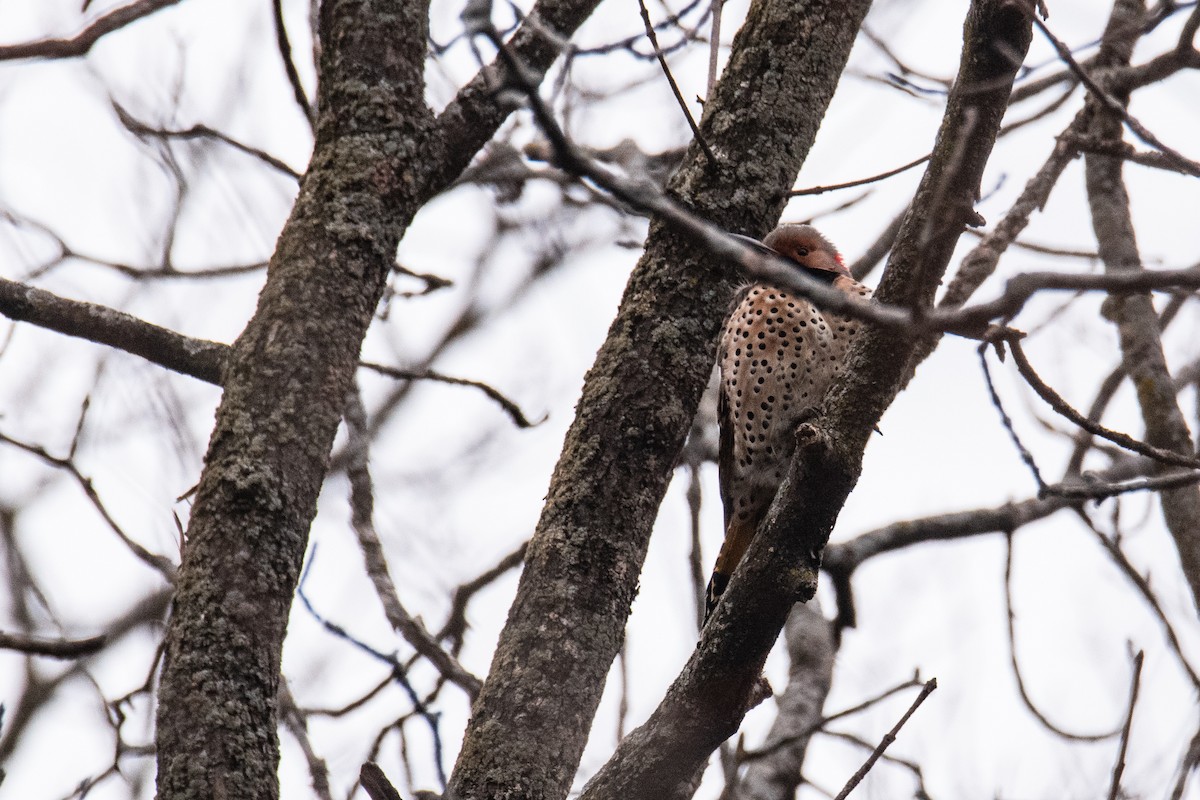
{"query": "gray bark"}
pixel 1134 315
pixel 564 629
pixel 811 646
pixel 706 703
pixel 379 156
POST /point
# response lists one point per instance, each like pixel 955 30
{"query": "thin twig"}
pixel 1143 586
pixel 353 705
pixel 289 66
pixel 1007 422
pixel 512 409
pixel 762 752
pixel 860 181
pixel 911 766
pixel 1016 666
pixel 714 46
pixel 82 42
pixel 1107 100
pixel 362 506
pixel 1098 490
pixel 398 672
pixel 1063 408
pixel 887 740
pixel 159 563
pixel 456 621
pixel 1119 768
pixel 139 128
pixel 52 648
pixel 662 60
pixel 293 720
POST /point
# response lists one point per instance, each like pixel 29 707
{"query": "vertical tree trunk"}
pixel 532 719
pixel 285 384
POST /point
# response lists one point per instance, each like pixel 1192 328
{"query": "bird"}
pixel 777 356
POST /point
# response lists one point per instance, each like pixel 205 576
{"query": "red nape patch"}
pixel 840 261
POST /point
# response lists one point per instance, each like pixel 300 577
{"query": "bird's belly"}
pixel 779 357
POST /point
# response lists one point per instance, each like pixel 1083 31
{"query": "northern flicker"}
pixel 778 355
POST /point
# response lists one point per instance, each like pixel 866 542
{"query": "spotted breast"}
pixel 778 355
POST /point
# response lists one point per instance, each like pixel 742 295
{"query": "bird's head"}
pixel 805 245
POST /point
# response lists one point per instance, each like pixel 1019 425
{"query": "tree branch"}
pixel 707 701
pixel 1134 315
pixel 582 567
pixel 54 648
pixel 82 42
pixel 773 771
pixel 196 357
pixel 887 740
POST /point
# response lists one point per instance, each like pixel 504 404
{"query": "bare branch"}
pixel 161 564
pixel 289 66
pixel 376 784
pixel 141 129
pixel 1109 102
pixel 82 42
pixel 54 648
pixel 860 182
pixel 714 46
pixel 293 719
pixel 1016 665
pixel 1113 548
pixel 1007 422
pixel 1060 406
pixel 887 740
pixel 1115 792
pixel 1126 151
pixel 196 357
pixel 662 60
pixel 512 409
pixel 456 621
pixel 362 503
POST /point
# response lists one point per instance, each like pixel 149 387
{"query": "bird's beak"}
pixel 757 245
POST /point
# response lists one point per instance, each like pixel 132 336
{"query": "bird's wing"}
pixel 725 451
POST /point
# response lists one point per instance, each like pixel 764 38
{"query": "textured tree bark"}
pixel 706 703
pixel 379 156
pixel 285 385
pixel 811 646
pixel 1134 315
pixel 531 720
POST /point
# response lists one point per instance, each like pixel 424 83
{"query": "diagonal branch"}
pixel 887 740
pixel 362 504
pixel 289 65
pixel 82 42
pixel 1056 402
pixel 1111 104
pixel 583 562
pixel 196 357
pixel 1134 315
pixel 707 701
pixel 662 61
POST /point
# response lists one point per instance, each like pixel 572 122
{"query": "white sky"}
pixel 458 487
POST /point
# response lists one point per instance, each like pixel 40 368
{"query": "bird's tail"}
pixel 737 538
pixel 716 586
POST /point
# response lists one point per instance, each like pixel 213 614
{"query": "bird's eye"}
pixel 802 251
